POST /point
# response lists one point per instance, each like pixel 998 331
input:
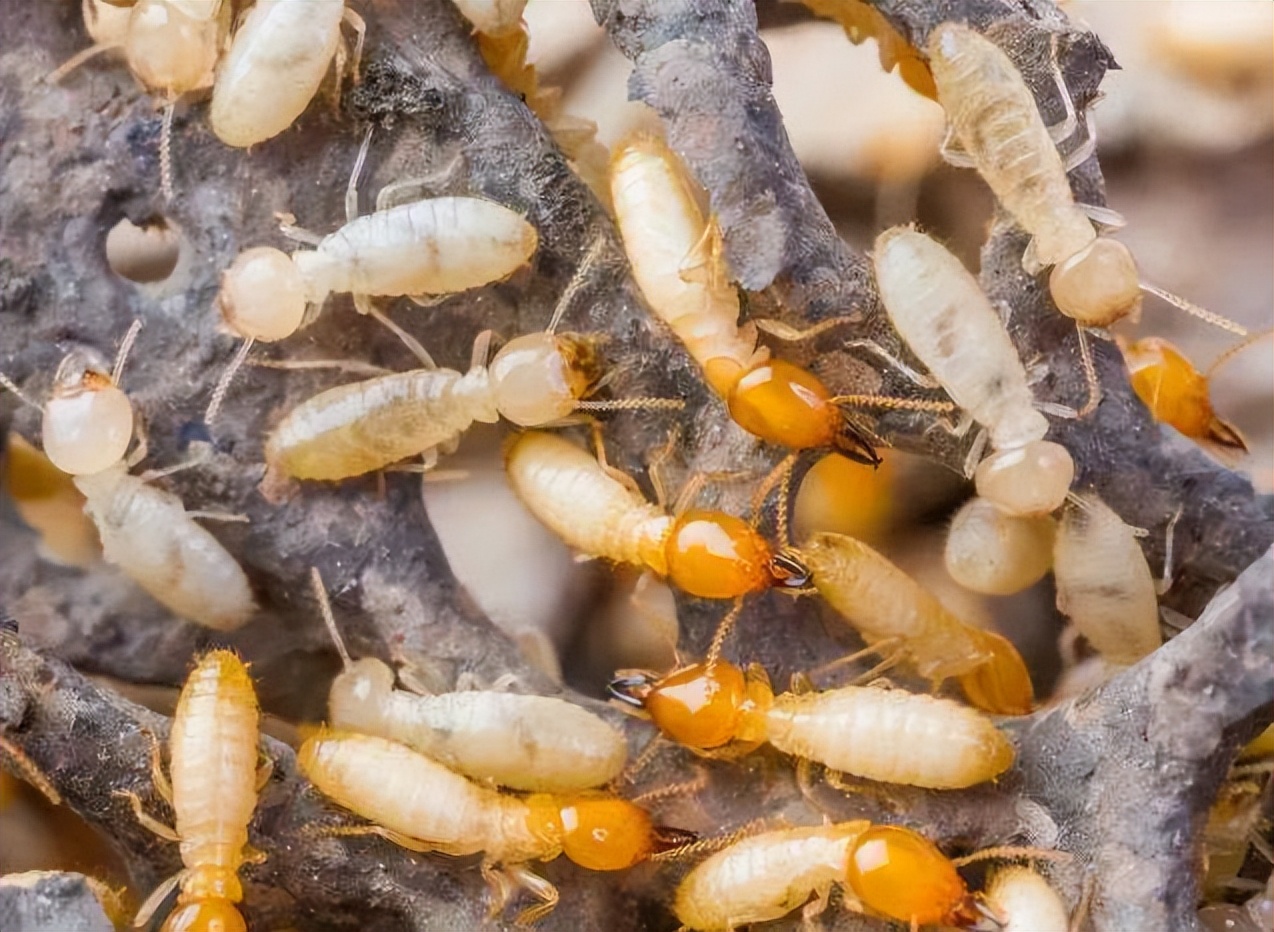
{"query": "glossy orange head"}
pixel 714 555
pixel 1168 384
pixel 904 876
pixel 605 833
pixel 700 706
pixel 1002 685
pixel 213 915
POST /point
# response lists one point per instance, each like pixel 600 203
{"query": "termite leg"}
pixel 145 819
pixel 1104 217
pixel 974 456
pixel 481 349
pixel 351 187
pixel 1060 132
pixel 890 659
pixel 356 23
pixel 79 58
pixel 953 153
pixel 253 855
pixel 912 375
pixel 655 465
pixel 789 334
pixel 156 899
pixel 815 908
pixel 219 516
pixel 539 888
pixel 599 449
pixel 364 305
pixel 288 227
pixel 501 887
pixel 406 190
pixel 702 263
pixel 29 771
pixel 265 769
pixel 1170 536
pixel 397 838
pixel 157 776
pixel 351 366
pixel 800 684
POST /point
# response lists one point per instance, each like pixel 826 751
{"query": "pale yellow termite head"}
pixel 1098 285
pixel 1031 479
pixel 539 377
pixel 262 295
pixel 358 695
pixel 173 47
pixel 88 421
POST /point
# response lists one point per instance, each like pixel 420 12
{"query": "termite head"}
pixel 785 405
pixel 262 295
pixel 904 876
pixel 1028 480
pixel 205 915
pixel 1002 685
pixel 714 555
pixel 173 47
pixel 357 699
pixel 605 833
pixel 538 377
pixel 88 421
pixel 1098 285
pixel 1176 393
pixel 701 706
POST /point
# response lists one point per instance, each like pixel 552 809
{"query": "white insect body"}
pixel 1024 902
pixel 88 420
pixel 492 17
pixel 1103 583
pixel 767 876
pixel 995 553
pixel 275 65
pixel 997 122
pixel 890 735
pixel 147 533
pixel 533 743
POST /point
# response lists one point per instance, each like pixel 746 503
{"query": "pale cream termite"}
pixel 889 608
pixel 675 257
pixel 881 869
pixel 1103 582
pixel 996 121
pixel 492 17
pixel 213 749
pixel 1023 901
pixel 942 314
pixel 532 743
pixel 888 735
pixel 422 805
pixel 995 553
pixel 276 62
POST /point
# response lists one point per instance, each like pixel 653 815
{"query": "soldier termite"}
pixel 995 553
pixel 675 256
pixel 881 869
pixel 890 609
pixel 707 554
pixel 1103 583
pixel 941 313
pixel 995 119
pixel 275 64
pixel 1023 901
pixel 1179 395
pixel 423 247
pixel 533 743
pixel 719 710
pixel 423 806
pixel 213 754
pixel 171 46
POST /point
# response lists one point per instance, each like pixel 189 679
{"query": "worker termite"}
pixel 942 314
pixel 171 46
pixel 1023 901
pixel 719 710
pixel 890 609
pixel 431 246
pixel 994 118
pixel 1179 395
pixel 423 806
pixel 275 64
pixel 213 753
pixel 492 17
pixel 675 257
pixel 534 743
pixel 995 553
pixel 707 554
pixel 884 870
pixel 1103 583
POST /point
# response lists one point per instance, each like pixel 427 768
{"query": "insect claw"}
pixel 631 687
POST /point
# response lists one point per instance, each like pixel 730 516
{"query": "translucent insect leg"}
pixel 351 187
pixel 351 366
pixel 146 820
pixel 1066 412
pixel 397 838
pixel 227 517
pixel 599 449
pixel 288 227
pixel 974 456
pixel 698 481
pixel 329 619
pixel 723 629
pixel 885 648
pixel 1170 536
pixel 28 770
pixel 157 897
pixel 658 460
pixel 501 887
pixel 789 334
pixel 815 908
pixel 223 383
pixel 365 305
pixel 539 888
pixel 265 770
pixel 356 23
pixel 1104 217
pixel 912 375
pixel 79 58
pixel 953 153
pixel 157 775
pixel 481 349
pixel 406 190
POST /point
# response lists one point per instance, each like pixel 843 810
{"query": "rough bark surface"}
pixel 1120 778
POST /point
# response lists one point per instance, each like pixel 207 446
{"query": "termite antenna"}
pixel 684 788
pixel 166 151
pixel 931 405
pixel 325 606
pixel 79 58
pixel 632 404
pixel 124 349
pixel 223 383
pixel 576 283
pixel 1015 853
pixel 21 395
pixel 1190 307
pixel 1236 349
pixel 723 629
pixel 1090 374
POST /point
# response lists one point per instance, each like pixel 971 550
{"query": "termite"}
pixel 1104 585
pixel 213 754
pixel 885 870
pixel 1023 901
pixel 145 531
pixel 424 247
pixel 996 121
pixel 533 743
pixel 676 260
pixel 1178 394
pixel 275 64
pixel 492 17
pixel 942 314
pixel 423 806
pixel 995 553
pixel 705 553
pixel 719 710
pixel 890 609
pixel 171 46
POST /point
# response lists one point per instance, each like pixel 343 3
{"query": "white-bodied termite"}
pixel 995 553
pixel 533 743
pixel 275 64
pixel 213 750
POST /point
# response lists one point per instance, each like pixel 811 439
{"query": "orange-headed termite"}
pixel 213 752
pixel 889 735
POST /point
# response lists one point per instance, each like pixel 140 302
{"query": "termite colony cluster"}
pixel 519 778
